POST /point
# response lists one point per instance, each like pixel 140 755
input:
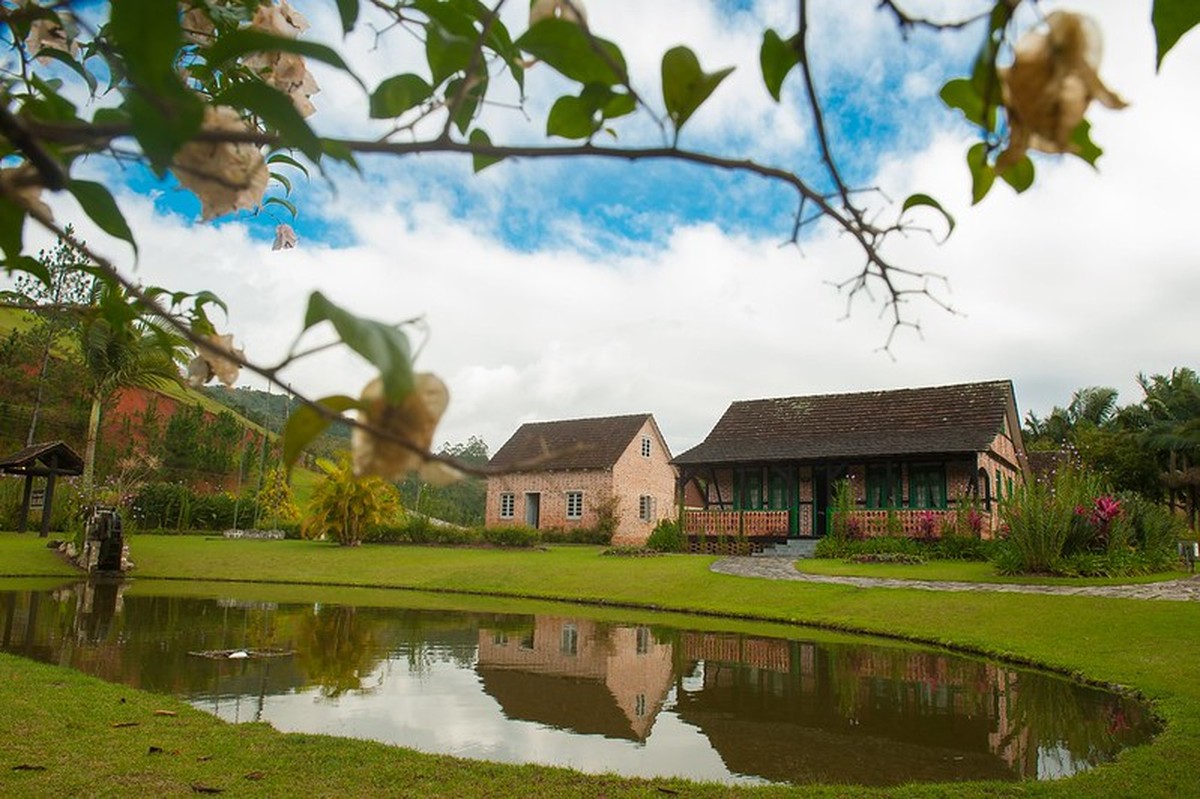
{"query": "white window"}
pixel 646 508
pixel 508 505
pixel 569 643
pixel 574 504
pixel 645 446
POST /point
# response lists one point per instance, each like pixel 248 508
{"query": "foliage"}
pixel 217 96
pixel 515 535
pixel 608 514
pixel 175 506
pixel 345 509
pixel 844 526
pixel 276 503
pixel 945 548
pixel 887 557
pixel 575 535
pixel 667 536
pixel 65 517
pixel 461 502
pixel 1074 526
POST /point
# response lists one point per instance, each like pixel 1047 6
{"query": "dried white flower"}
pixel 413 419
pixel 285 237
pixel 281 20
pixel 569 10
pixel 226 176
pixel 49 34
pixel 213 359
pixel 197 27
pixel 1050 84
pixel 288 73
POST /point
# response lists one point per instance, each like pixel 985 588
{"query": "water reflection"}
pixel 592 695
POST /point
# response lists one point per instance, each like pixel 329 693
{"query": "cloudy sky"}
pixel 567 289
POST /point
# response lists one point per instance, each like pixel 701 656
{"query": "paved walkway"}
pixel 777 568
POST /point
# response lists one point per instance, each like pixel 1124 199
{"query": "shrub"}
pixel 511 536
pixel 888 557
pixel 576 535
pixel 667 536
pixel 345 508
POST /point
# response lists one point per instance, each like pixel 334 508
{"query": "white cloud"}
pixel 1086 279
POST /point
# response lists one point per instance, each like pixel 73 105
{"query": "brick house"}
pixel 913 456
pixel 560 474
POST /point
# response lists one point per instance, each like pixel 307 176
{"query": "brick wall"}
pixel 552 488
pixel 636 475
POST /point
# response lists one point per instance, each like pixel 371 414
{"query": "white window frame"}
pixel 646 505
pixel 646 446
pixel 508 505
pixel 577 496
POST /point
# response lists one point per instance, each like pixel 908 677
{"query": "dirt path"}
pixel 1185 590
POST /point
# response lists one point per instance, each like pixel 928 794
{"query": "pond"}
pixel 562 688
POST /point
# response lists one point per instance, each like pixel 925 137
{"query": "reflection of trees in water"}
pixel 1090 725
pixel 337 649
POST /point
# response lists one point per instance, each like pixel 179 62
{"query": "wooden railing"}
pixel 732 523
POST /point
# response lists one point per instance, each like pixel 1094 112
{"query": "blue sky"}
pixel 569 288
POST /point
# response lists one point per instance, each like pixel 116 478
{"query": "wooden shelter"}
pixel 50 460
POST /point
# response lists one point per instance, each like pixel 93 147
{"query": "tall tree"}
pixel 120 349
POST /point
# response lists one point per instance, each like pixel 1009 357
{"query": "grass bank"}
pixel 50 714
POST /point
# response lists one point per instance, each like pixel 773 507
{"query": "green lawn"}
pixel 50 715
pixel 959 570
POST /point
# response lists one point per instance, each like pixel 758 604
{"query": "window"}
pixel 646 508
pixel 748 489
pixel 927 486
pixel 569 643
pixel 508 505
pixel 642 640
pixel 639 705
pixel 883 486
pixel 574 504
pixel 645 446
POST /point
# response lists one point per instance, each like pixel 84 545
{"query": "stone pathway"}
pixel 776 568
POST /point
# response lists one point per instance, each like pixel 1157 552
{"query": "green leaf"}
pixel 288 206
pixel 446 53
pixel 1084 147
pixel 284 158
pixel 982 174
pixel 306 423
pixel 239 43
pixel 33 266
pixel 572 118
pixel 348 11
pixel 147 34
pixel 66 59
pixel 282 180
pixel 1171 20
pixel 777 58
pixel 464 107
pixel 398 94
pixel 12 228
pixel 384 346
pixel 962 94
pixel 685 86
pixel 567 48
pixel 275 109
pixel 166 124
pixel 1020 175
pixel 102 209
pixel 915 200
pixel 339 151
pixel 482 161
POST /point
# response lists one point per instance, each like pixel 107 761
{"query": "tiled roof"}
pixel 37 457
pixel 911 421
pixel 569 444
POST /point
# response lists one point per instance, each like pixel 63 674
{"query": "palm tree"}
pixel 122 350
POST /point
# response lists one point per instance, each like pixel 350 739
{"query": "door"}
pixel 820 485
pixel 533 509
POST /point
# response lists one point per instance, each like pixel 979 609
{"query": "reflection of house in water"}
pixel 578 675
pixel 799 712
